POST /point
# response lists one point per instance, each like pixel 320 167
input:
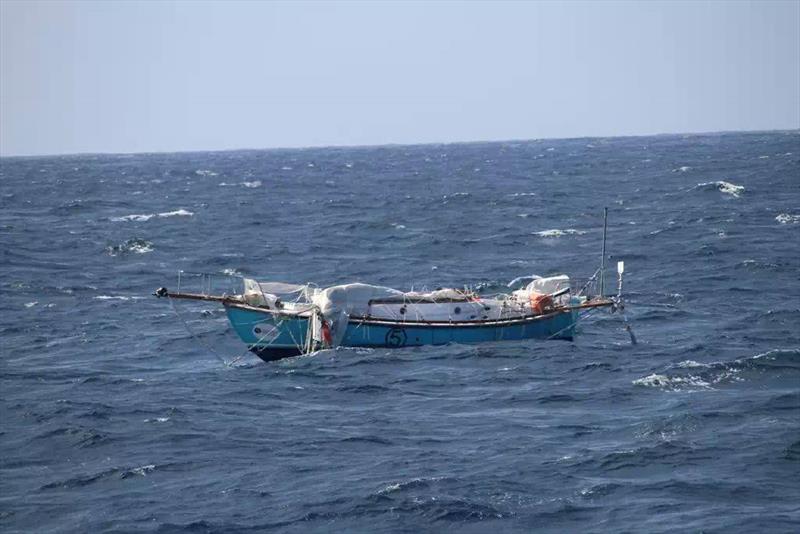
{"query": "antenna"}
pixel 603 257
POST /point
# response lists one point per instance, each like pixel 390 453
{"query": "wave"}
pixel 690 375
pixel 458 194
pixel 135 245
pixel 785 218
pixel 205 172
pixel 559 233
pixel 415 483
pixel 251 185
pixel 81 481
pixel 721 186
pixel 755 264
pixel 672 383
pixel 146 217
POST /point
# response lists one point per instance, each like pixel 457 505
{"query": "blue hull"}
pixel 272 336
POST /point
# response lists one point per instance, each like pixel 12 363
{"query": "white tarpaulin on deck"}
pixel 338 303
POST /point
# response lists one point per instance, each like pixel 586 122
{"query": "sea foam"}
pixel 723 187
pixel 786 218
pixel 559 233
pixel 146 217
pixel 134 245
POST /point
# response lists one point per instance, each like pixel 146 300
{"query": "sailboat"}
pixel 278 320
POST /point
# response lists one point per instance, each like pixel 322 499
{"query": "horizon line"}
pixel 400 144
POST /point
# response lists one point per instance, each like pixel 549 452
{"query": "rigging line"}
pixel 191 333
pixel 572 324
pixel 289 330
pixel 589 281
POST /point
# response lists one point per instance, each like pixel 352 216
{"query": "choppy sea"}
pixel 114 417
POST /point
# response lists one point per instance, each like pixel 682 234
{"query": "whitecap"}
pixel 459 194
pixel 723 187
pixel 143 470
pixel 135 217
pixel 558 233
pixel 672 383
pixel 690 364
pixel 141 248
pixel 230 272
pixel 146 217
pixel 286 168
pixel 786 218
pixel 390 488
pixel 253 184
pixel 157 420
pixel 134 245
pixel 31 304
pixel 205 172
pixel 111 297
pixel 685 168
pixel 177 213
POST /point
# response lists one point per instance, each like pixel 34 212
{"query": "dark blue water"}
pixel 115 418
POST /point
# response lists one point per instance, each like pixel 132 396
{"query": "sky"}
pixel 121 77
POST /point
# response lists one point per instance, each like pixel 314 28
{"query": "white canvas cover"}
pixel 549 285
pixel 267 293
pixel 439 294
pixel 337 303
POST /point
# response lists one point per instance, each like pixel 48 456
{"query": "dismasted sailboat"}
pixel 278 320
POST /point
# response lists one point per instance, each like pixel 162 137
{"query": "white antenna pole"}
pixel 603 258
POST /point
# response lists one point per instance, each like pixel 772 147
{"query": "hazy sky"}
pixel 160 76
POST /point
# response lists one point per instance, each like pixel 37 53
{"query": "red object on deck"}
pixel 326 334
pixel 541 303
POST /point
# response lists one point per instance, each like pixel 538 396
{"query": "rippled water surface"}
pixel 114 417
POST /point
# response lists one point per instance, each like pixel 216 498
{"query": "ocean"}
pixel 118 415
